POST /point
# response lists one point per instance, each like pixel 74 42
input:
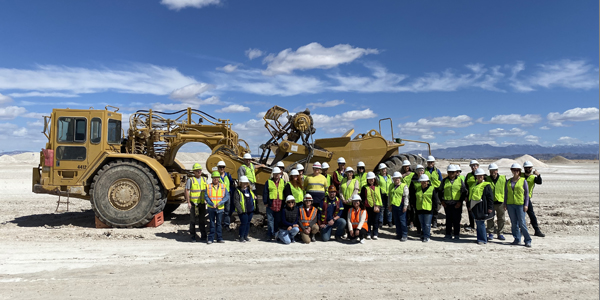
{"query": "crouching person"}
pixel 308 220
pixel 357 220
pixel 288 221
pixel 331 216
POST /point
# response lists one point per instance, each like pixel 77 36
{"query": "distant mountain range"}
pixel 587 151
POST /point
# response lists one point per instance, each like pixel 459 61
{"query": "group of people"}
pixel 357 203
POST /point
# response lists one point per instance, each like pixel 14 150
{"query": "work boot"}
pixel 242 240
pixel 246 239
pixel 403 239
pixel 490 237
pixel 447 237
pixel 539 233
pixel 516 242
pixel 312 239
pixel 434 225
pixel 501 237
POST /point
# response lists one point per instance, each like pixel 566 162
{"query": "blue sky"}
pixel 450 72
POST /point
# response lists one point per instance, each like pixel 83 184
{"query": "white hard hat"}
pixel 493 166
pixel 370 175
pixel 382 166
pixel 473 162
pixel 479 171
pixel 244 179
pixel 397 175
pixel 308 197
pixel 341 160
pixel 317 165
pixel 356 198
pixel 527 164
pixel 430 158
pixel 276 170
pixel 515 166
pixel 451 168
pixel 405 163
pixel 419 167
pixel 214 169
pixel 423 177
pixel 290 198
pixel 360 164
pixel 348 169
pixel 247 156
pixel 299 167
pixel 280 164
pixel 324 165
pixel 221 164
pixel 294 172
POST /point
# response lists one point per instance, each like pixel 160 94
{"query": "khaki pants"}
pixel 501 216
pixel 306 237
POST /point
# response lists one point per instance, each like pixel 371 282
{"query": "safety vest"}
pixel 424 200
pixel 408 178
pixel 373 196
pixel 243 201
pixel 531 184
pixel 298 193
pixel 500 183
pixel 385 183
pixel 304 218
pixel 355 218
pixel 196 190
pixel 275 191
pixel 216 195
pixel 250 173
pixel 476 192
pixel 225 180
pixel 340 176
pixel 434 177
pixel 328 177
pixel 362 179
pixel 452 189
pixel 516 196
pixel 316 183
pixel 470 180
pixel 347 189
pixel 395 194
pixel 325 207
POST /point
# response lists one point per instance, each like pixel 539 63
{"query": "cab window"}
pixel 72 130
pixel 96 131
pixel 114 131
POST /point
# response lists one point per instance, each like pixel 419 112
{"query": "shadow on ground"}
pixel 77 219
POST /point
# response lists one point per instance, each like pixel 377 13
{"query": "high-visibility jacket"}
pixel 243 202
pixel 225 180
pixel 470 180
pixel 306 218
pixel 434 177
pixel 347 189
pixel 362 179
pixel 395 194
pixel 385 182
pixel 340 176
pixel 197 190
pixel 373 196
pixel 275 191
pixel 216 194
pixel 408 178
pixel 452 189
pixel 476 192
pixel 298 193
pixel 530 184
pixel 315 184
pixel 355 218
pixel 516 196
pixel 328 177
pixel 424 200
pixel 250 173
pixel 498 187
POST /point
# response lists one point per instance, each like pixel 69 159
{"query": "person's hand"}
pixel 525 208
pixel 296 225
pixel 356 232
pixel 536 173
pixel 404 209
pixel 504 207
pixel 489 211
pixel 289 228
pixel 307 231
pixel 351 233
pixel 330 223
pixel 189 205
pixel 322 226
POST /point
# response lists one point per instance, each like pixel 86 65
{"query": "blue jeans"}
pixel 517 222
pixel 400 220
pixel 287 236
pixel 386 215
pixel 216 218
pixel 481 233
pixel 339 224
pixel 425 221
pixel 245 224
pixel 270 223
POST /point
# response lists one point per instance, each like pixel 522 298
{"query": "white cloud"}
pixel 342 119
pixel 252 81
pixel 423 127
pixel 194 103
pixel 190 91
pixel 380 81
pixel 331 103
pixel 428 137
pixel 545 128
pixel 11 112
pixel 4 100
pixel 500 132
pixel 254 53
pixel 234 108
pixel 513 119
pixel 313 56
pixel 568 140
pixel 228 68
pixel 566 73
pixel 574 115
pixel 532 139
pixel 40 94
pixel 180 4
pixel 20 132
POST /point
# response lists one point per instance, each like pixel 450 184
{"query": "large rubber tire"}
pixel 126 193
pixel 169 209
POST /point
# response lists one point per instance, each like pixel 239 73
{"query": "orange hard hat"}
pixel 332 189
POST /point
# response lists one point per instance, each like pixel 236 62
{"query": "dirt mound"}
pixel 189 159
pixel 536 163
pixel 505 162
pixel 27 158
pixel 559 160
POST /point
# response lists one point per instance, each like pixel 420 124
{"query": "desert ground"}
pixel 61 255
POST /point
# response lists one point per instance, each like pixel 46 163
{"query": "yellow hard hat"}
pixel 196 166
pixel 215 174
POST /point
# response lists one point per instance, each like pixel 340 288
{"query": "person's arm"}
pixel 237 201
pixel 335 179
pixel 362 220
pixel 356 189
pixel 538 179
pixel 286 191
pixel 526 188
pixel 434 202
pixel 341 206
pixel 405 196
pixel 241 172
pixel 489 198
pixel 348 218
pixel 265 197
pixel 439 174
pixel 363 194
pixel 186 194
pixel 225 197
pixel 208 201
pixel 464 192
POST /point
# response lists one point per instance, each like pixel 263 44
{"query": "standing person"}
pixel 226 179
pixel 216 198
pixel 324 169
pixel 195 188
pixel 435 176
pixel 398 202
pixel 273 200
pixel 532 179
pixel 481 204
pixel 453 192
pixel 295 187
pixel 516 201
pixel 426 201
pixel 288 221
pixel 406 172
pixel 497 183
pixel 284 175
pixel 248 169
pixel 459 171
pixel 244 202
pixel 349 187
pixel 385 182
pixel 308 220
pixel 338 175
pixel 300 169
pixel 412 206
pixel 470 181
pixel 331 216
pixel 361 174
pixel 315 184
pixel 357 220
pixel 371 193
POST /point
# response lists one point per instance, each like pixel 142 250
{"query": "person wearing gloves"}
pixel 470 181
pixel 349 187
pixel 273 200
pixel 308 220
pixel 426 200
pixel 338 175
pixel 288 221
pixel 295 187
pixel 481 204
pixel 324 169
pixel 385 182
pixel 357 221
pixel 248 169
pixel 435 176
pixel 216 198
pixel 453 192
pixel 412 210
pixel 227 180
pixel 244 202
pixel 398 205
pixel 532 177
pixel 331 216
pixel 195 188
pixel 316 185
pixel 516 201
pixel 371 193
pixel 361 174
pixel 497 183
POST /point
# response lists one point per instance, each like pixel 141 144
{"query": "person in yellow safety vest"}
pixel 226 179
pixel 316 185
pixel 216 197
pixel 516 201
pixel 194 196
pixel 497 183
pixel 284 175
pixel 349 187
pixel 481 204
pixel 244 202
pixel 357 220
pixel 338 175
pixel 371 193
pixel 470 181
pixel 532 177
pixel 385 182
pixel 295 188
pixel 300 169
pixel 273 200
pixel 435 176
pixel 324 169
pixel 406 172
pixel 361 174
pixel 398 204
pixel 248 169
pixel 426 201
pixel 412 211
pixel 308 220
pixel 453 192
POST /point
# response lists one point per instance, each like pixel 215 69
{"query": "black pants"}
pixel 453 216
pixel 199 219
pixel 532 217
pixel 362 235
pixel 471 219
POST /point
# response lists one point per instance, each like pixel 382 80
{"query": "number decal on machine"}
pixel 82 167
